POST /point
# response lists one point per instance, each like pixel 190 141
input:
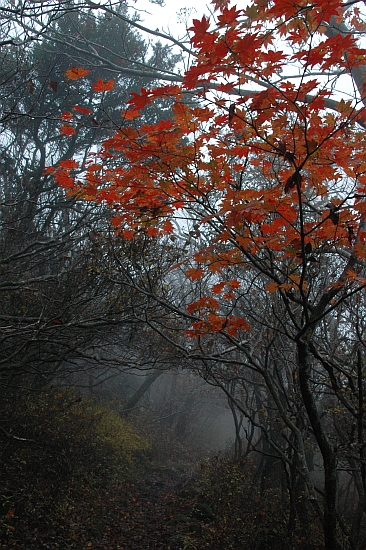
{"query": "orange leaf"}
pixel 103 85
pixel 272 287
pixel 82 110
pixel 130 115
pixel 218 288
pixel 195 274
pixel 76 72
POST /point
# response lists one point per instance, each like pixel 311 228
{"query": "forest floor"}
pixel 148 519
pixel 143 515
pixel 212 506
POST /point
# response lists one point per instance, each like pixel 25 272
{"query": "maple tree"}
pixel 268 176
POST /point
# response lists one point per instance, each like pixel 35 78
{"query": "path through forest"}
pixel 147 519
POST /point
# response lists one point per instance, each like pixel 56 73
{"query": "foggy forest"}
pixel 182 275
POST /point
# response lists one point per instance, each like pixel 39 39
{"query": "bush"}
pixel 60 453
pixel 228 511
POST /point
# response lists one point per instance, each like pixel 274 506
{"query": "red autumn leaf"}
pixel 168 227
pixel 152 231
pixel 229 16
pixel 236 324
pixel 205 304
pixel 128 234
pixel 69 164
pixel 218 287
pixel 67 130
pixel 103 85
pixel 200 26
pixel 116 221
pixel 139 100
pixel 272 287
pixel 49 170
pixel 234 283
pixel 64 179
pixel 66 116
pixel 220 4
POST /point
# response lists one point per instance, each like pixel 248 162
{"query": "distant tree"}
pixel 58 312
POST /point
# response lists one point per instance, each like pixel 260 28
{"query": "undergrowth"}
pixel 63 457
pixel 225 508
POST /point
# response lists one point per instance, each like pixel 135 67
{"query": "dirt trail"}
pixel 146 521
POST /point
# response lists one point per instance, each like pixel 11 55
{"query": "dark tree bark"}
pixel 140 392
pixel 326 449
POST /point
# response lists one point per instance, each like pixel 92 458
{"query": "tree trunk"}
pixel 135 398
pixel 326 449
pixel 238 445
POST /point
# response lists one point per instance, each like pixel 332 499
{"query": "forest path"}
pixel 146 521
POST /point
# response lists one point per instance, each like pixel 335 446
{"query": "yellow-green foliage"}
pixel 111 429
pixel 78 436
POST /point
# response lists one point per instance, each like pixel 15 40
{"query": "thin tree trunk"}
pixel 139 393
pixel 326 449
pixel 238 441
